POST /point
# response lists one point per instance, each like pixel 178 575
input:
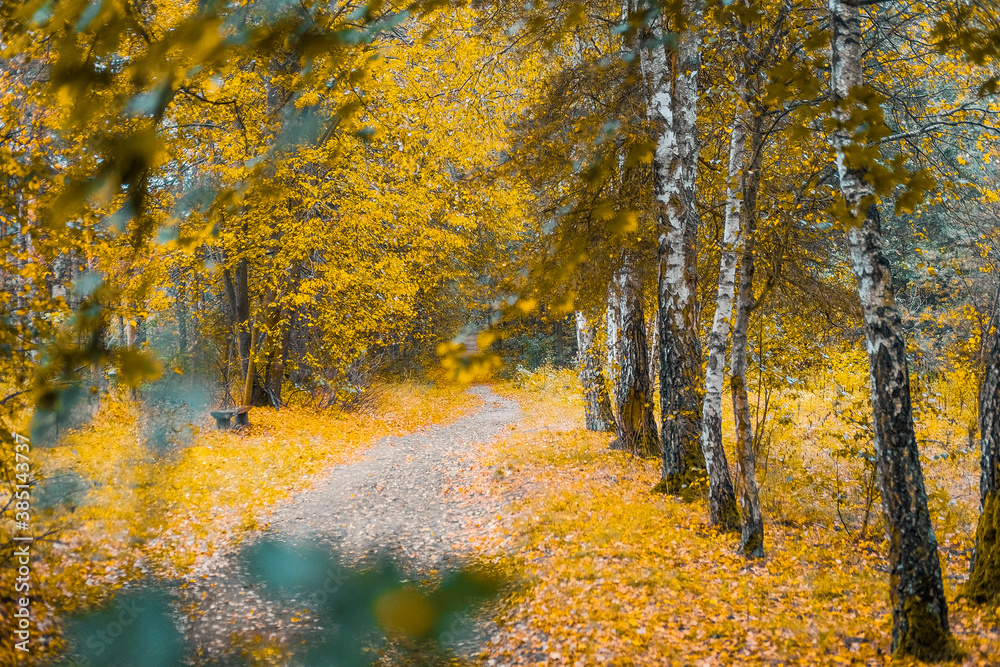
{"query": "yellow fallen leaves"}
pixel 616 575
pixel 163 513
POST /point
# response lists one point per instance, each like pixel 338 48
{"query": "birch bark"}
pixel 653 338
pixel 672 77
pixel 919 609
pixel 636 426
pixel 752 536
pixel 613 325
pixel 722 498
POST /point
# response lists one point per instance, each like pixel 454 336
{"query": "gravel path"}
pixel 401 502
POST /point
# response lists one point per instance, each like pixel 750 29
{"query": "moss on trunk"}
pixel 727 514
pixel 926 636
pixel 638 427
pixel 984 580
pixel 751 542
pixel 688 485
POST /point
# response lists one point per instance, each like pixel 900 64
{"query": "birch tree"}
pixel 758 49
pixel 919 609
pixel 722 506
pixel 636 426
pixel 672 77
pixel 752 535
pixel 597 405
pixel 673 80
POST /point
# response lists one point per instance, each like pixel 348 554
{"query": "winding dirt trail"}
pixel 398 503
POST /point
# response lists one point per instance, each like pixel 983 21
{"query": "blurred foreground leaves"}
pixel 361 613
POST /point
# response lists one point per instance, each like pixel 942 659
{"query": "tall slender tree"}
pixel 672 75
pixel 672 78
pixel 919 609
pixel 752 536
pixel 723 501
pixel 757 48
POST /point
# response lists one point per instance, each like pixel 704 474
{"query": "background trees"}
pixel 280 184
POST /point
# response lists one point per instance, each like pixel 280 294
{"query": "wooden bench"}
pixel 223 416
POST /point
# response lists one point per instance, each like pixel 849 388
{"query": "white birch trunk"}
pixel 752 535
pixel 732 241
pixel 672 78
pixel 919 608
pixel 613 325
pixel 653 336
pixel 674 109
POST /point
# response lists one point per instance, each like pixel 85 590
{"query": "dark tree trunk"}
pixel 279 356
pixel 558 335
pixel 984 579
pixel 241 311
pixel 597 405
pixel 919 610
pixel 633 396
pixel 238 292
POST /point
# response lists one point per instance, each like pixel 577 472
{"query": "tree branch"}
pixel 931 127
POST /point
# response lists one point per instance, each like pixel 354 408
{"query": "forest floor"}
pixel 616 575
pixel 607 572
pixel 610 574
pixel 410 499
pixel 129 512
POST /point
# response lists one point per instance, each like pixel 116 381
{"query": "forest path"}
pixel 397 503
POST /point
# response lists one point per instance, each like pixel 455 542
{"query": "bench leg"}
pixel 222 423
pixel 243 419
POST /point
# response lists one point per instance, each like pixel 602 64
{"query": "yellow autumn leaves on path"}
pixel 610 573
pixel 147 513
